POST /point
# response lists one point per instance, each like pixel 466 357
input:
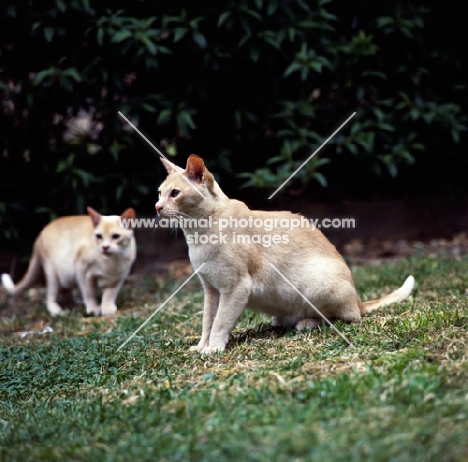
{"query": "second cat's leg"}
pixel 86 285
pixel 309 323
pixel 231 306
pixel 210 308
pixel 52 290
pixel 109 296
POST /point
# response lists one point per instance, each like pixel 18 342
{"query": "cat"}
pixel 89 251
pixel 268 270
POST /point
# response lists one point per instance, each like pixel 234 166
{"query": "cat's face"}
pixel 109 233
pixel 183 191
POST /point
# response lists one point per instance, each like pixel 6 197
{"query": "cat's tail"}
pixel 396 296
pixel 30 276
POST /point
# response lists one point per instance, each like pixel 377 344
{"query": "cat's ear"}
pixel 95 216
pixel 195 169
pixel 170 167
pixel 128 214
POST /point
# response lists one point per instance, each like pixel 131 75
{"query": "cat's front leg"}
pixel 231 306
pixel 87 289
pixel 109 295
pixel 210 308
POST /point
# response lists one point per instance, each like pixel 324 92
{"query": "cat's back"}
pixel 62 236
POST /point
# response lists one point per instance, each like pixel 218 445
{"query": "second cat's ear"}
pixel 95 216
pixel 129 213
pixel 127 217
pixel 170 167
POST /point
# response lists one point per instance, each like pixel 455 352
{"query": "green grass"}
pixel 279 395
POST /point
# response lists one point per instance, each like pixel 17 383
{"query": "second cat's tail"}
pixel 396 296
pixel 30 276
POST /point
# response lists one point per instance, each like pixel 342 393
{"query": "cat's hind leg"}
pixel 52 290
pixel 284 321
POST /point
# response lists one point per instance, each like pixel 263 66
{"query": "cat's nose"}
pixel 105 247
pixel 158 207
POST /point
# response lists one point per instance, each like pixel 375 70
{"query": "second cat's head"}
pixel 112 233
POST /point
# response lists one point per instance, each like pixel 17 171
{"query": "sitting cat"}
pixel 89 251
pixel 239 273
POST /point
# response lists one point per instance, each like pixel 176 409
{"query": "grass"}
pixel 399 395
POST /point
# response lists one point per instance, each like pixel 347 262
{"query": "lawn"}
pixel 399 394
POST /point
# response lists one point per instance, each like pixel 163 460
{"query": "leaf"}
pixel 61 6
pixel 119 191
pixel 150 46
pixel 199 39
pixel 292 68
pixel 48 34
pixel 320 178
pixel 74 74
pixel 83 175
pixel 11 11
pixel 164 117
pixel 273 5
pixel 121 36
pixel 254 53
pixel 163 49
pixel 65 164
pixel 148 107
pixel 179 33
pixel 385 21
pixel 316 66
pixel 186 118
pixel 41 75
pixel 223 17
pixel 100 36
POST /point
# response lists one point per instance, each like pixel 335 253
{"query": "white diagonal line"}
pixel 160 308
pixel 143 136
pixel 311 304
pixel 158 151
pixel 317 150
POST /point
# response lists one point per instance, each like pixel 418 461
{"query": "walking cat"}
pixel 89 251
pixel 271 269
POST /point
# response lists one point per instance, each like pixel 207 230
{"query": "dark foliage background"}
pixel 253 86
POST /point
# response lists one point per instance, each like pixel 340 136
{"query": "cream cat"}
pixel 89 251
pixel 254 271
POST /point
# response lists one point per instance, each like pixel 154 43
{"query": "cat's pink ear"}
pixel 195 168
pixel 170 167
pixel 129 214
pixel 95 216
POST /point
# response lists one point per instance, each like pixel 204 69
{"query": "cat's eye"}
pixel 115 236
pixel 175 193
pixel 98 236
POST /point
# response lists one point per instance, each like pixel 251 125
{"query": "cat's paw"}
pixel 93 309
pixel 209 350
pixel 109 310
pixel 196 348
pixel 54 309
pixel 277 322
pixel 308 323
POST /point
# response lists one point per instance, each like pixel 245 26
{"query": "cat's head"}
pixel 112 233
pixel 187 192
